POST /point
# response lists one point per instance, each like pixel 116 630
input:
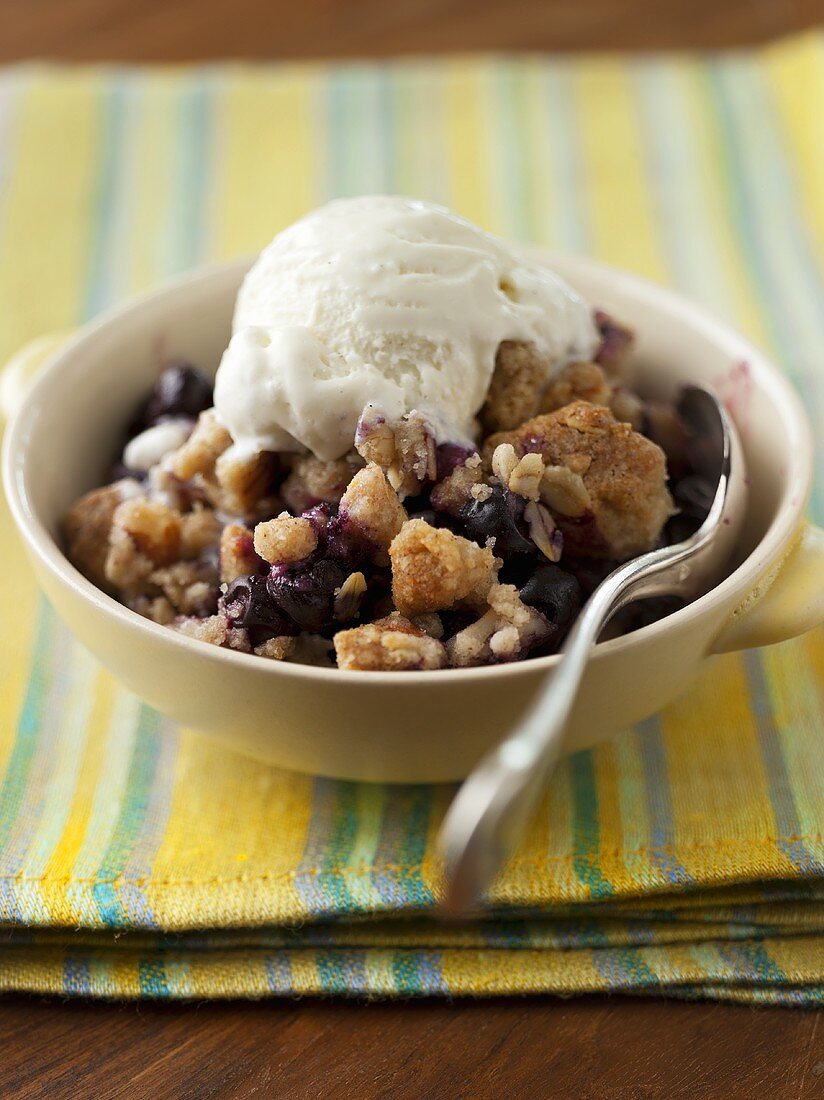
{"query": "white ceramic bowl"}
pixel 409 726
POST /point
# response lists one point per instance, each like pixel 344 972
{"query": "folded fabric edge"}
pixel 544 936
pixel 59 907
pixel 793 970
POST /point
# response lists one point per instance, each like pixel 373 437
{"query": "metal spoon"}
pixel 487 815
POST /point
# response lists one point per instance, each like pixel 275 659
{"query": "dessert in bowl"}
pixel 409 540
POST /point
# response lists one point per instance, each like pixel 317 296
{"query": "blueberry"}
pixel 694 496
pixel 120 470
pixel 247 603
pixel 679 528
pixel 589 572
pixel 181 390
pixel 346 542
pixel 449 456
pixel 553 592
pixel 497 517
pixel 307 595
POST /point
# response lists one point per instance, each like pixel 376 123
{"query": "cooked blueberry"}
pixel 694 496
pixel 307 595
pixel 643 612
pixel 247 603
pixel 346 541
pixel 497 517
pixel 120 470
pixel 319 515
pixel 450 455
pixel 554 592
pixel 181 390
pixel 589 572
pixel 615 340
pixel 679 528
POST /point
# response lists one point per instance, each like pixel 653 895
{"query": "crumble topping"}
pixel 623 479
pixel 520 377
pixel 312 481
pixel 390 644
pixel 87 526
pixel 505 632
pixel 404 449
pixel 434 569
pixel 236 553
pixel 372 508
pixel 285 540
pixel 292 558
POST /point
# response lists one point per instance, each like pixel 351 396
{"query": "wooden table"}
pixel 591 1047
pixel 601 1047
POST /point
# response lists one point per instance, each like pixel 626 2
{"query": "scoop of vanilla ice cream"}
pixel 385 301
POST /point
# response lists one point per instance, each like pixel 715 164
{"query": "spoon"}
pixel 488 814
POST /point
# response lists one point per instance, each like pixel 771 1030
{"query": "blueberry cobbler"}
pixel 421 452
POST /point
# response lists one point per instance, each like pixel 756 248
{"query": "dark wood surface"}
pixel 590 1047
pixel 605 1048
pixel 138 30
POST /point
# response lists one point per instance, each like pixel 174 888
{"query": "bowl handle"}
pixel 783 605
pixel 21 369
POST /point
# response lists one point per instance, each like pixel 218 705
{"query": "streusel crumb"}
pixel 276 649
pixel 154 528
pixel 519 379
pixel 236 553
pixel 243 480
pixel 312 481
pixel 200 452
pixel 370 506
pixel 576 382
pixel 156 608
pixel 216 630
pixel 404 449
pixel 190 587
pixel 521 475
pixel 199 531
pixel 390 644
pixel 623 476
pixel 457 488
pixel 434 569
pixel 87 525
pixel 285 539
pixel 507 630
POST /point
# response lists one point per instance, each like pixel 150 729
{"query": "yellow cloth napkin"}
pixel 686 856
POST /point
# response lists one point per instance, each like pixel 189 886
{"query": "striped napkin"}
pixel 684 857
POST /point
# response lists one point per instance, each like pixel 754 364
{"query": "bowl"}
pixel 407 726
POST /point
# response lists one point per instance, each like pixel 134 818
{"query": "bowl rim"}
pixel 773 546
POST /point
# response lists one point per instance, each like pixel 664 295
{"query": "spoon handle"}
pixel 489 812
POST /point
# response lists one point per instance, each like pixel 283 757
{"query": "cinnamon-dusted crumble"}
pixel 619 479
pixel 312 481
pixel 236 553
pixel 391 644
pixel 434 569
pixel 285 539
pixel 408 552
pixel 404 449
pixel 370 508
pixel 520 377
pixel 87 526
pixel 507 630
